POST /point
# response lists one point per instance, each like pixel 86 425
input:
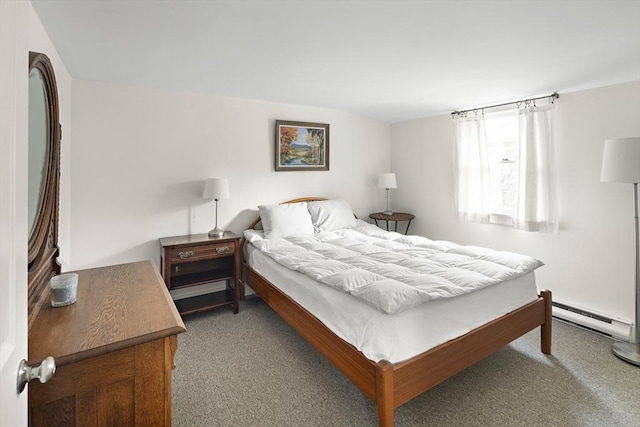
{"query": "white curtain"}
pixel 536 206
pixel 473 198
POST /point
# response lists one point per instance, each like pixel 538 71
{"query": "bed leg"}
pixel 384 393
pixel 545 328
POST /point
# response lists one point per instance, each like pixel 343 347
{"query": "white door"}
pixel 14 59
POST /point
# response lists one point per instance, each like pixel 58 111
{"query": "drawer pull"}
pixel 222 249
pixel 185 254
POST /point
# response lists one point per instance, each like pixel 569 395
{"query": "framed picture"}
pixel 302 146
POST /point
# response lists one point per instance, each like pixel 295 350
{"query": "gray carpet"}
pixel 252 369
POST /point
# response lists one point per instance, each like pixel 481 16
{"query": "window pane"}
pixel 502 143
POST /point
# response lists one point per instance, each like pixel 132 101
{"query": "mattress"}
pixel 401 336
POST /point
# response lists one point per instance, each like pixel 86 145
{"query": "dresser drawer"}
pixel 199 252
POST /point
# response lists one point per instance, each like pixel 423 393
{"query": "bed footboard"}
pixel 390 386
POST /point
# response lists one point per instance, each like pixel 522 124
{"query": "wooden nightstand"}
pixel 395 216
pixel 198 259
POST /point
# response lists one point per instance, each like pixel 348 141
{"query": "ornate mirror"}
pixel 44 179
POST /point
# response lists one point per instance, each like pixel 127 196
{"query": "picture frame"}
pixel 301 146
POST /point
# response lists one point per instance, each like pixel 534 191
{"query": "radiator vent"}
pixel 597 322
pixel 193 291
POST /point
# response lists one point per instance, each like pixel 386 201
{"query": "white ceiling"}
pixel 390 60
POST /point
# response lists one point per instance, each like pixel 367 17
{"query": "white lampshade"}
pixel 621 160
pixel 216 188
pixel 387 180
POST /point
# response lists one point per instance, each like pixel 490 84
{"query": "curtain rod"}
pixel 553 97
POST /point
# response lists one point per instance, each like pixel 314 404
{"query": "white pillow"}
pixel 330 215
pixel 289 219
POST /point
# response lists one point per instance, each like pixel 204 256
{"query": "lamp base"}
pixel 629 352
pixel 216 232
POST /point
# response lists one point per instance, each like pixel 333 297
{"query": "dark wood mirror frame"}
pixel 43 241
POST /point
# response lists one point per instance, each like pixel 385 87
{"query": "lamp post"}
pixel 621 163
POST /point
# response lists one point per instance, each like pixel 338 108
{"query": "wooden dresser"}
pixel 114 350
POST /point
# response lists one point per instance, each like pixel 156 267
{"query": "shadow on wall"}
pixel 134 254
pixel 177 196
pixel 242 221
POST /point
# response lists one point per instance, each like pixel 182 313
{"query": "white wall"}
pixel 39 42
pixel 590 262
pixel 140 158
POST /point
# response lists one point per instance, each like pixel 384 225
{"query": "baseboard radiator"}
pixel 194 291
pixel 615 328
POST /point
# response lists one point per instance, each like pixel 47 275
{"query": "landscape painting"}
pixel 302 146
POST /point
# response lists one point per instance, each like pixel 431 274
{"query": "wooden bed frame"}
pixel 388 385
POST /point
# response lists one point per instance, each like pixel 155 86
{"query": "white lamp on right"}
pixel 387 181
pixel 621 163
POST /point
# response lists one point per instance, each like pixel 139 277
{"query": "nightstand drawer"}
pixel 198 252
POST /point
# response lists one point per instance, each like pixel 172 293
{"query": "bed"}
pixel 387 377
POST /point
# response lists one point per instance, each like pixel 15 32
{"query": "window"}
pixel 504 168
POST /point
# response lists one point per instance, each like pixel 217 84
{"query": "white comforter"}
pixel 390 271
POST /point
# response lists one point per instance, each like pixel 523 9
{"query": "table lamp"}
pixel 216 189
pixel 387 181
